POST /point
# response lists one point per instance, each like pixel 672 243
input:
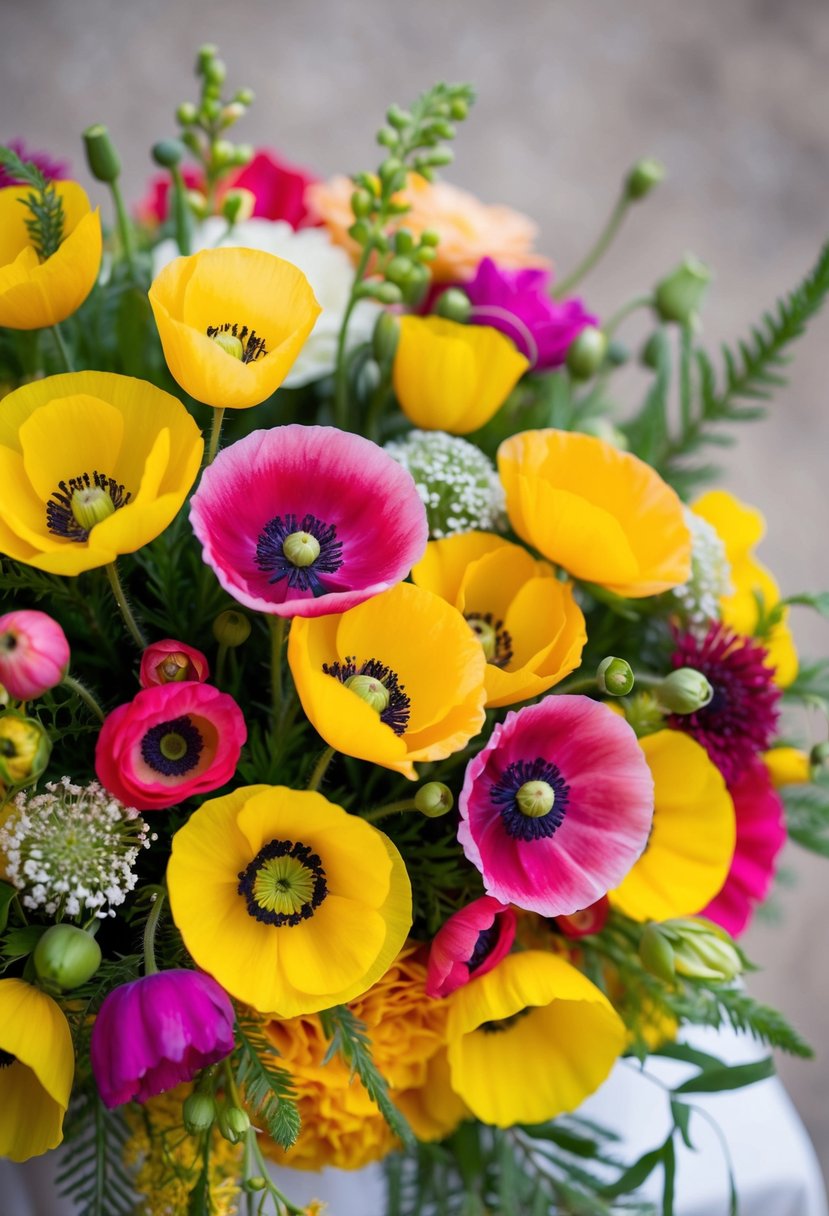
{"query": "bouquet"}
pixel 395 732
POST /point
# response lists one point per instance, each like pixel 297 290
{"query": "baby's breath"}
pixel 698 600
pixel 457 483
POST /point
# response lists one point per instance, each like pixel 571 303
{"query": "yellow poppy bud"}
pixel 24 749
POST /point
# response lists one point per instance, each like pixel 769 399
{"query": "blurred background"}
pixel 732 97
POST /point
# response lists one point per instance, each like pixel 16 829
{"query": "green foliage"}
pixel 46 222
pixel 807 814
pixel 266 1087
pixel 92 1172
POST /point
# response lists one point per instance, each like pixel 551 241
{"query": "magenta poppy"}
pixel 156 1032
pixel 278 188
pixel 34 653
pixel 154 207
pixel 558 806
pixel 172 662
pixel 761 834
pixel 307 520
pixel 472 942
pixel 170 742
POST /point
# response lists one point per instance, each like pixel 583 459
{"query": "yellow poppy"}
pixel 414 659
pixel 292 904
pixel 36 1066
pixel 34 294
pixel 530 627
pixel 232 322
pixel 91 465
pixel 530 1040
pixel 741 528
pixel 452 377
pixel 603 515
pixel 691 846
pixel 788 766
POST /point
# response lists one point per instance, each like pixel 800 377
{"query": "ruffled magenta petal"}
pixel 456 954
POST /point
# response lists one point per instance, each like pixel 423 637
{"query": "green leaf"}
pixel 733 1076
pixel 7 894
pixel 633 1177
pixel 669 1166
pixel 267 1088
pixel 681 1115
pixel 688 1055
pixel 819 600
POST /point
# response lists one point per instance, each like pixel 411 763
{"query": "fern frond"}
pixel 349 1039
pixel 267 1088
pixel 92 1173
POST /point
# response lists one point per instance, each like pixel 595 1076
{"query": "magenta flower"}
pixel 307 520
pixel 278 188
pixel 34 653
pixel 172 662
pixel 558 806
pixel 52 169
pixel 741 718
pixel 170 742
pixel 156 1032
pixel 585 922
pixel 519 304
pixel 761 834
pixel 472 942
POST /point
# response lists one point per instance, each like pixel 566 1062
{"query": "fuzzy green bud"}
pixel 245 97
pixel 231 628
pixel 233 1122
pixel 679 295
pixel 684 691
pixel 238 205
pixel 206 52
pixel 24 749
pixel 223 152
pixel 399 270
pixel 186 114
pixel 586 353
pixel 197 204
pixel 535 798
pixel 398 117
pixel 104 162
pixel 434 799
pixel 454 305
pixel 232 112
pixel 211 108
pixel 387 293
pixel 385 338
pixel 359 232
pixel 404 241
pixel 643 177
pixel 372 691
pixel 702 950
pixel 614 677
pixel 657 953
pixel 66 957
pixel 215 71
pixel 168 153
pixel 199 1113
pixel 362 204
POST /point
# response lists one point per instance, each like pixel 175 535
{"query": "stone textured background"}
pixel 732 96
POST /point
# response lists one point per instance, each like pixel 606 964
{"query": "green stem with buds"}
pixel 123 604
pixel 80 690
pixel 603 243
pixel 340 371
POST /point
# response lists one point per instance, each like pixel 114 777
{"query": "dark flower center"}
pixel 486 942
pixel 397 711
pixel 495 640
pixel 173 748
pixel 501 1024
pixel 299 552
pixel 504 794
pixel 284 883
pixel 252 346
pixel 80 503
pixel 6 1058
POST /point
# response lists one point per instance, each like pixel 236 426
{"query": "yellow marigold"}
pixel 469 230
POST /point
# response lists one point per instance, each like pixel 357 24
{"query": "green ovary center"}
pixel 301 549
pixel 535 798
pixel 486 634
pixel 173 747
pixel 90 505
pixel 283 885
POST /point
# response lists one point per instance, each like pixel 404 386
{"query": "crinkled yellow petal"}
pixel 788 766
pixel 691 847
pixel 740 526
pixel 547 632
pixel 445 563
pixel 35 1088
pixel 492 582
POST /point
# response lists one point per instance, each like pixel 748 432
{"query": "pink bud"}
pixel 34 653
pixel 589 920
pixel 171 662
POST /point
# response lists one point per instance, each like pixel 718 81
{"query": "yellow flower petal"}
pixel 35 1087
pixel 788 766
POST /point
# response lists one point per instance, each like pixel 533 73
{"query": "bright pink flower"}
pixel 278 187
pixel 761 834
pixel 472 942
pixel 154 207
pixel 587 921
pixel 156 1032
pixel 170 742
pixel 360 508
pixel 558 806
pixel 34 653
pixel 172 662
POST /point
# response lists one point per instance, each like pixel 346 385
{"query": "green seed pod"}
pixel 587 353
pixel 678 297
pixel 454 305
pixel 199 1113
pixel 434 799
pixel 615 677
pixel 168 153
pixel 186 114
pixel 231 628
pixel 104 162
pixel 66 956
pixel 643 177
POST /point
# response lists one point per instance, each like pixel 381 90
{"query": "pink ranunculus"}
pixel 172 662
pixel 278 188
pixel 558 806
pixel 34 653
pixel 761 834
pixel 170 742
pixel 262 498
pixel 157 1032
pixel 472 942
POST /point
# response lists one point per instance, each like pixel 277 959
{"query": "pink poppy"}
pixel 172 662
pixel 558 806
pixel 472 942
pixel 761 834
pixel 307 520
pixel 34 653
pixel 170 742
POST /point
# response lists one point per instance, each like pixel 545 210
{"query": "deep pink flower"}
pixel 360 508
pixel 55 170
pixel 34 653
pixel 576 765
pixel 741 718
pixel 761 834
pixel 519 304
pixel 156 1032
pixel 588 920
pixel 172 662
pixel 278 187
pixel 170 742
pixel 472 942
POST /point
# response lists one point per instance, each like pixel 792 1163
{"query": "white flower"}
pixel 458 485
pixel 698 600
pixel 327 268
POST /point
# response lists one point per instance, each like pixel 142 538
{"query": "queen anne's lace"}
pixel 698 600
pixel 457 483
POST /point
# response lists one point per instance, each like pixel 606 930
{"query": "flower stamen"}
pixel 396 711
pixel 495 640
pixel 80 503
pixel 238 341
pixel 173 748
pixel 532 797
pixel 284 884
pixel 299 552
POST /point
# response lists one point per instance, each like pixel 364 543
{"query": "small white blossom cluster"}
pixel 457 483
pixel 698 600
pixel 72 849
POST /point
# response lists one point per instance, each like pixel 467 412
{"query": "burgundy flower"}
pixel 53 169
pixel 471 943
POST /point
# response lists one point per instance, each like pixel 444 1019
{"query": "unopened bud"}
pixel 586 353
pixel 223 152
pixel 233 1123
pixel 589 920
pixel 678 297
pixel 643 177
pixel 215 71
pixel 684 691
pixel 232 112
pixel 657 954
pixel 168 153
pixel 238 205
pixel 24 749
pixel 615 677
pixel 186 114
pixel 245 96
pixel 702 950
pixel 206 52
pixel 434 799
pixel 789 766
pixel 197 203
pixel 199 1113
pixel 66 956
pixel 257 1183
pixel 362 204
pixel 819 756
pixel 231 628
pixel 454 305
pixel 385 338
pixel 101 156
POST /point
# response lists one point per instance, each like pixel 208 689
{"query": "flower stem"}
pixel 221 659
pixel 150 966
pixel 63 351
pixel 80 690
pixel 340 378
pixel 181 215
pixel 215 434
pixel 603 243
pixel 391 808
pixel 124 230
pixel 276 625
pixel 253 1157
pixel 584 685
pixel 612 324
pixel 320 768
pixel 126 611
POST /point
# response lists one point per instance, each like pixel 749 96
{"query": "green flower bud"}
pixel 387 293
pixel 615 677
pixel 656 953
pixel 205 53
pixel 385 338
pixel 211 108
pixel 404 241
pixel 387 137
pixel 684 691
pixel 231 628
pixel 398 118
pixel 678 297
pixel 24 749
pixel 66 956
pixel 458 109
pixel 242 154
pixel 643 177
pixel 233 1122
pixel 399 269
pixel 362 203
pixel 617 353
pixel 649 354
pixel 238 205
pixel 818 758
pixel 232 112
pixel 587 353
pixel 434 799
pixel 454 305
pixel 223 152
pixel 245 96
pixel 391 168
pixel 200 1112
pixel 535 798
pixel 359 232
pixel 168 153
pixel 104 162
pixel 430 237
pixel 372 691
pixel 215 71
pixel 186 114
pixel 197 203
pixel 257 1183
pixel 702 950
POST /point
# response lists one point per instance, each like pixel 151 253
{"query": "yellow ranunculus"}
pixel 741 528
pixel 788 766
pixel 691 846
pixel 232 322
pixel 530 627
pixel 601 514
pixel 452 377
pixel 91 465
pixel 530 1040
pixel 36 1066
pixel 34 294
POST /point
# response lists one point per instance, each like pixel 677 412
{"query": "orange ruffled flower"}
pixel 603 515
pixel 469 230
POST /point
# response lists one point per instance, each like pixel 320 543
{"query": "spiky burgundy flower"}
pixel 741 718
pixel 53 169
